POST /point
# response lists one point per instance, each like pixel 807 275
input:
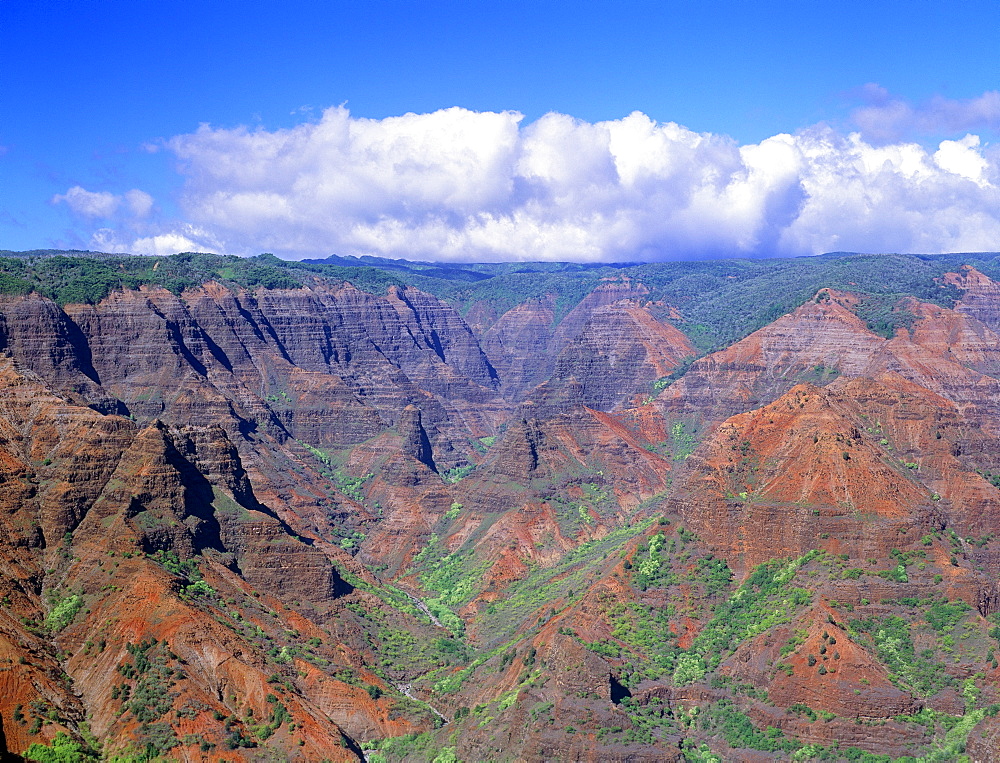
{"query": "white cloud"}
pixel 462 185
pixel 104 204
pixel 961 157
pixel 885 117
pixel 892 198
pixel 88 203
pixel 140 203
pixel 186 239
pixel 166 243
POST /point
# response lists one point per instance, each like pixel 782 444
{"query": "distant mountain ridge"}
pixel 719 301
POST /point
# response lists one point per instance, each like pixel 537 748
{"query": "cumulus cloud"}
pixel 462 185
pixel 186 238
pixel 886 118
pixel 88 203
pixel 139 203
pixel 899 197
pixel 104 204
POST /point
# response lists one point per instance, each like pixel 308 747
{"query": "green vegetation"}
pixel 89 279
pixel 992 478
pixel 279 715
pixel 647 632
pixel 682 439
pixel 63 612
pixel 458 473
pixel 688 668
pixel 646 638
pixel 943 616
pixel 767 598
pixel 172 563
pixel 193 586
pixel 884 314
pixel 714 574
pixel 422 747
pixel 651 565
pixel 721 300
pixel 724 300
pixel 351 486
pixel 575 498
pixel 146 695
pixel 63 749
pixel 348 485
pixel 457 578
pixel 661 586
pixel 739 732
pixel 351 542
pixel 922 672
pixel 543 589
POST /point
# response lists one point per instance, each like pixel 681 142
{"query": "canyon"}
pixel 378 510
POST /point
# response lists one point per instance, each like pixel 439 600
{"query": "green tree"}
pixel 63 749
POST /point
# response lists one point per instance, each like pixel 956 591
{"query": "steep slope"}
pixel 818 341
pixel 610 331
pixel 884 462
pixel 619 353
pixel 119 555
pixel 980 295
pixel 855 466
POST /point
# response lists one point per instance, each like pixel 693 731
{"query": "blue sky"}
pixel 252 126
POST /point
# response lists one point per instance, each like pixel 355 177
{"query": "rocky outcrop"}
pixel 607 347
pixel 619 354
pixel 519 344
pixel 980 295
pixel 93 505
pixel 771 482
pixel 946 351
pixel 818 342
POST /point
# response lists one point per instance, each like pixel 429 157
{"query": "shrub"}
pixel 63 612
pixel 62 750
pixel 689 668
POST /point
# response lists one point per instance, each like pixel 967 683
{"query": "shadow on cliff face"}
pixel 198 498
pixel 618 691
pixel 5 754
pixel 217 498
pixel 77 340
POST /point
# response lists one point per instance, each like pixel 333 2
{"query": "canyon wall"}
pixel 241 522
